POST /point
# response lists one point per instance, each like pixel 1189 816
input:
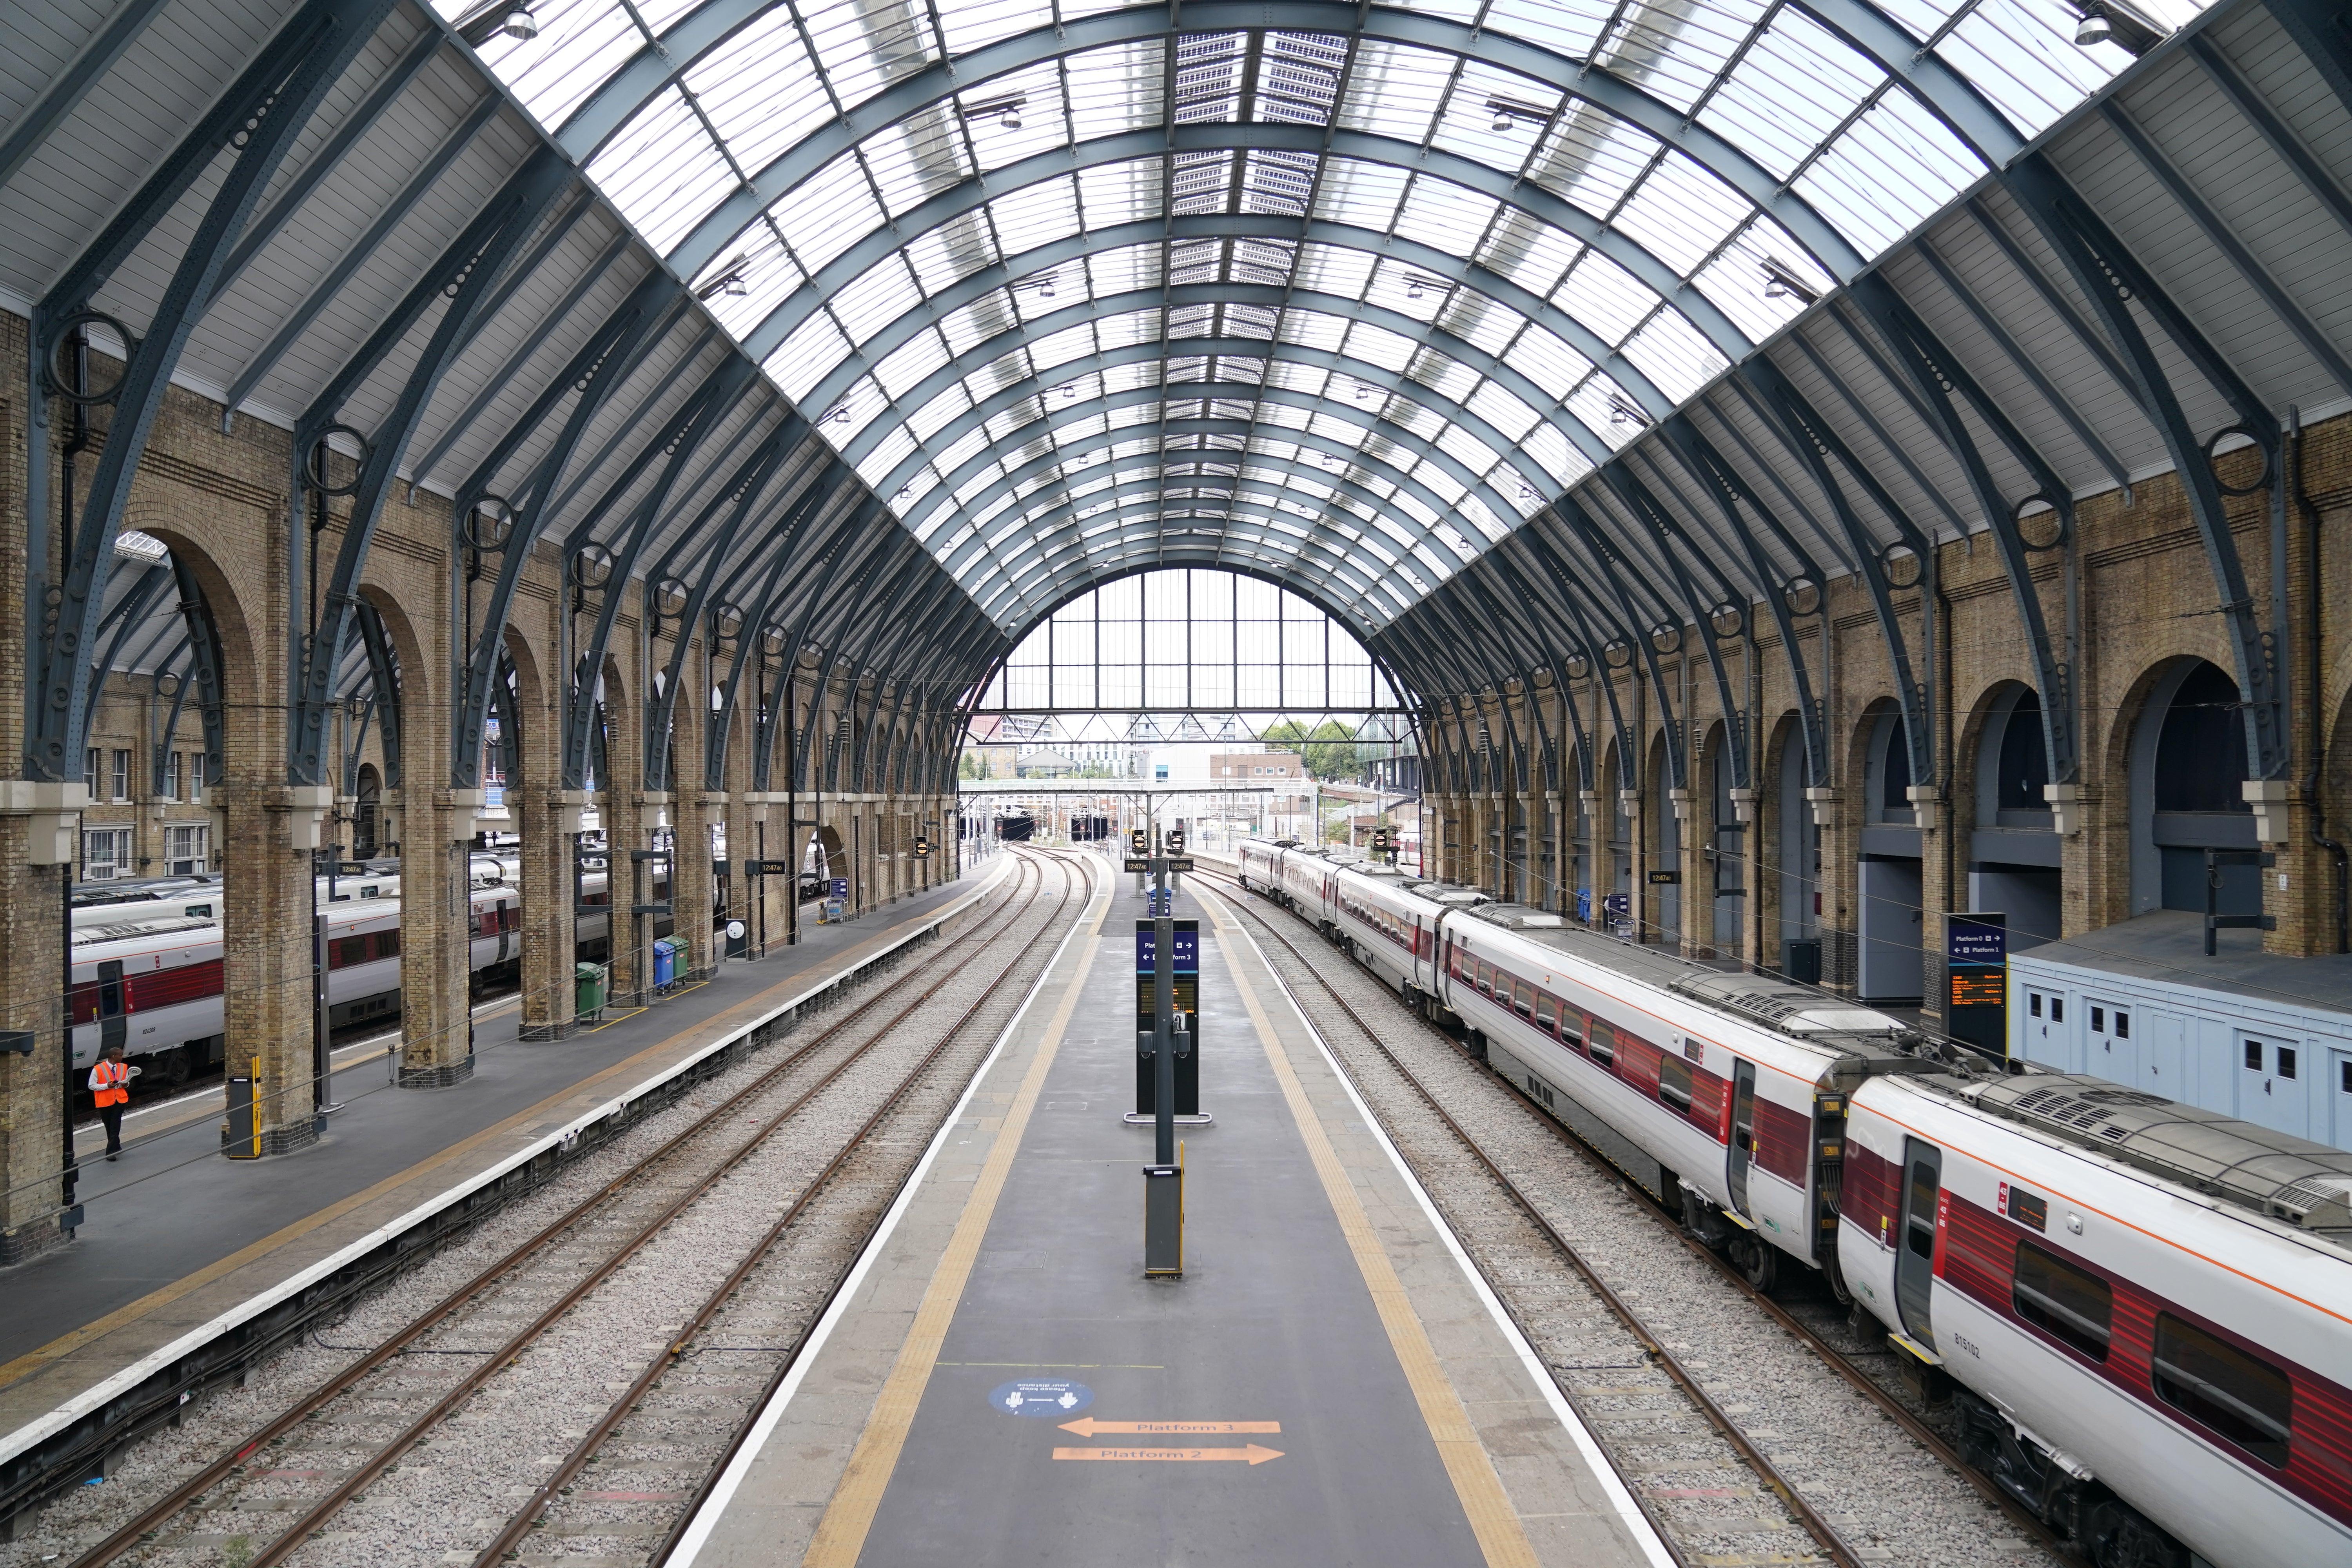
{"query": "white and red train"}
pixel 2143 1309
pixel 147 972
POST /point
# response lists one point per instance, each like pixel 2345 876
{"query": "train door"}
pixel 1915 1260
pixel 113 1027
pixel 1743 1132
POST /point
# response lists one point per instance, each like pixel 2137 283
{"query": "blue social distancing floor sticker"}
pixel 1040 1397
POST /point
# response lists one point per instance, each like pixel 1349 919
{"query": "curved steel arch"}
pixel 1155 233
pixel 1136 146
pixel 645 77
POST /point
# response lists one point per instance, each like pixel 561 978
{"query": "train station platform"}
pixel 182 1250
pixel 1329 1382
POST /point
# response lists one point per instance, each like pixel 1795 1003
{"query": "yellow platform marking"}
pixel 849 1517
pixel 1501 1538
pixel 32 1360
pixel 1087 1427
pixel 1253 1454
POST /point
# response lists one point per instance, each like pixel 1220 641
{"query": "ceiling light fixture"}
pixel 1510 114
pixel 518 23
pixel 1781 282
pixel 2094 28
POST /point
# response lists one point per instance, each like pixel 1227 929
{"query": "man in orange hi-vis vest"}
pixel 109 1085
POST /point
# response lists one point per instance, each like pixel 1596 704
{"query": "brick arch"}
pixel 1861 797
pixel 2126 865
pixel 241 680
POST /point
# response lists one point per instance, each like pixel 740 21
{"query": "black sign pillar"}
pixel 1976 995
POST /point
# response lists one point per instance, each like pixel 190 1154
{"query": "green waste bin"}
pixel 589 978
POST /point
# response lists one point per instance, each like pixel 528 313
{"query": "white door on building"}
pixel 2108 1049
pixel 2164 1054
pixel 2043 1036
pixel 2272 1073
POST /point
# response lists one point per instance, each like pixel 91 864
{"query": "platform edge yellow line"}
pixel 1502 1540
pixel 849 1517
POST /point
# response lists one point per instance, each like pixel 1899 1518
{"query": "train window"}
pixel 1546 1012
pixel 2123 1024
pixel 1571 1030
pixel 1600 1042
pixel 2245 1399
pixel 1920 1233
pixel 1487 979
pixel 387 944
pixel 1674 1084
pixel 2071 1304
pixel 1523 999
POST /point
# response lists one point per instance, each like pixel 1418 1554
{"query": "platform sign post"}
pixel 1976 969
pixel 1163 945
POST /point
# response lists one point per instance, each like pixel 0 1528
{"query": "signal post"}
pixel 1166 957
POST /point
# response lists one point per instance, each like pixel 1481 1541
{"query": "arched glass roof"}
pixel 1338 294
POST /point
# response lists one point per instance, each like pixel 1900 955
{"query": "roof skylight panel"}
pixel 1742 280
pixel 1528 250
pixel 1312 328
pixel 1544 359
pixel 1495 116
pixel 1443 214
pixel 1592 158
pixel 1463 448
pixel 2023 56
pixel 1249 320
pixel 978 23
pixel 808 355
pixel 906 366
pixel 1029 215
pixel 1209 77
pixel 580 45
pixel 965 447
pixel 1365 194
pixel 914 159
pixel 760 89
pixel 1675 355
pixel 894 448
pixel 1896 166
pixel 1675 49
pixel 865 45
pixel 1442 374
pixel 1045 291
pixel 1497 405
pixel 663 171
pixel 1395 90
pixel 1298 78
pixel 1117 88
pixel 1113 194
pixel 828 213
pixel 1015 115
pixel 1123 270
pixel 1475 319
pixel 939 412
pixel 1377 345
pixel 946 255
pixel 1607 412
pixel 1133 327
pixel 1201 182
pixel 1278 183
pixel 1681 213
pixel 876 298
pixel 1796 86
pixel 1560 459
pixel 749 283
pixel 1604 297
pixel 1247 368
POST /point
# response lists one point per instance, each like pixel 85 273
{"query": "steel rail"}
pixel 142 1530
pixel 1837 1360
pixel 533 1514
pixel 1652 1345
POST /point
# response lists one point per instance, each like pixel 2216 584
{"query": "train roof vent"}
pixel 1785 1007
pixel 1513 916
pixel 123 931
pixel 2289 1178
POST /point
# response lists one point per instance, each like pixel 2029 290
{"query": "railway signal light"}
pixel 1175 841
pixel 1138 841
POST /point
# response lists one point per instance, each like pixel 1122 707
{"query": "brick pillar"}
pixel 1838 884
pixel 1697 886
pixel 437 934
pixel 628 948
pixel 32 958
pixel 269 830
pixel 695 889
pixel 549 817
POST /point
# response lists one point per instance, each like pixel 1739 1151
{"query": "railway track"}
pixel 1797 1411
pixel 433 1443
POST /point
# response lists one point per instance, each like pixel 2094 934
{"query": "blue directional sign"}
pixel 1040 1396
pixel 1188 947
pixel 1981 941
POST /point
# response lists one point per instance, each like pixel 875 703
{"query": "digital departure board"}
pixel 1987 987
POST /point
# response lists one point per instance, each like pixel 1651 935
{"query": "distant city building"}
pixel 1255 767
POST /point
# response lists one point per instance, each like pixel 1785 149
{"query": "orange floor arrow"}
pixel 1252 1454
pixel 1087 1426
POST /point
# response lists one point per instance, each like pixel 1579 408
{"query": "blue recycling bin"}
pixel 664 963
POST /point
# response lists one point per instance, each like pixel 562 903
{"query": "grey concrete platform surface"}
pixel 178 1238
pixel 1328 1383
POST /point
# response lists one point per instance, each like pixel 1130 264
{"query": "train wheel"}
pixel 2123 1537
pixel 179 1065
pixel 1759 1262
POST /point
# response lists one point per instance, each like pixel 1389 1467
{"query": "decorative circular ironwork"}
pixel 489 523
pixel 1802 595
pixel 1727 620
pixel 2043 528
pixel 166 683
pixel 1618 652
pixel 1542 678
pixel 727 620
pixel 670 597
pixel 2261 480
pixel 61 384
pixel 592 566
pixel 1903 565
pixel 1665 639
pixel 1579 666
pixel 314 461
pixel 773 639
